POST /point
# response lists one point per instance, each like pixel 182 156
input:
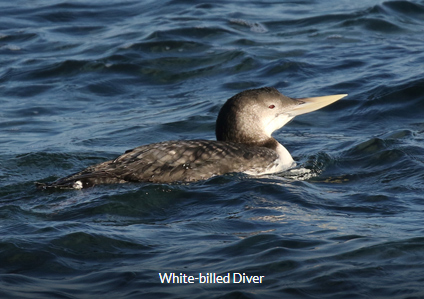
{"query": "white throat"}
pixel 275 123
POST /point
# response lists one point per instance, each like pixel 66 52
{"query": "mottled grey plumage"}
pixel 244 144
pixel 173 161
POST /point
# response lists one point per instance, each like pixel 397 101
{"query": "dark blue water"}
pixel 83 81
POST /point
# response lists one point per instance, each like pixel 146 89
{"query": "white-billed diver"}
pixel 244 144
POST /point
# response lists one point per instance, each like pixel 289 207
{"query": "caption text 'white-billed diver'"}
pixel 244 144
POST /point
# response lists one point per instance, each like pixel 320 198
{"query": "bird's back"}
pixel 174 161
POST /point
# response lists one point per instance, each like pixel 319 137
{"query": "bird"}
pixel 243 144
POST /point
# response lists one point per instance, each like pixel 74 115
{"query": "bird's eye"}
pixel 271 106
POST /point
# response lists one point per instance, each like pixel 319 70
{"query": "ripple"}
pixel 254 26
pixel 407 9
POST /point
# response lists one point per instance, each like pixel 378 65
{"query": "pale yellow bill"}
pixel 311 104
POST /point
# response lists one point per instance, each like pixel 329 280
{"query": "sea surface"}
pixel 83 81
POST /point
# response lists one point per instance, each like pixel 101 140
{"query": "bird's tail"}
pixel 75 182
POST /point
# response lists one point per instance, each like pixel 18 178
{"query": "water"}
pixel 81 83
